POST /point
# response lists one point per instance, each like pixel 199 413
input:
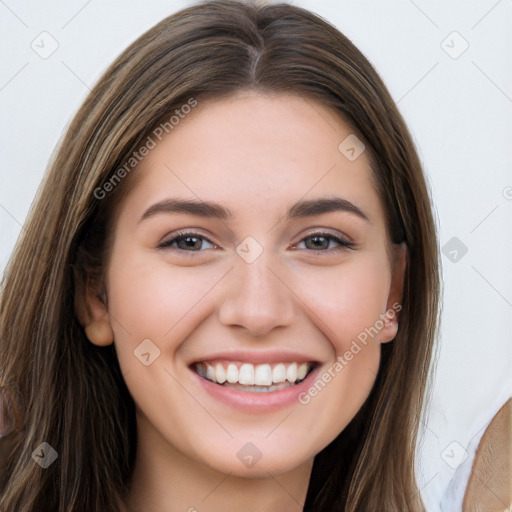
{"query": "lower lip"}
pixel 254 401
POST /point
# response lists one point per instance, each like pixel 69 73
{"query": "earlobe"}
pixel 390 329
pixel 93 316
pixel 99 332
pixel 394 303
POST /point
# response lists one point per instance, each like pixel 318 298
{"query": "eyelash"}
pixel 342 244
pixel 181 235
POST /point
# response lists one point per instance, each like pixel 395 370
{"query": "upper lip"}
pixel 257 357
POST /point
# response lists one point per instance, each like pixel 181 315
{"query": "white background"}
pixel 459 111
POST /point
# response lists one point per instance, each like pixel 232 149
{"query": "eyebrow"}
pixel 201 208
pixel 327 205
pixel 214 210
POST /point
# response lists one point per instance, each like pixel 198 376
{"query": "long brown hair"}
pixel 72 391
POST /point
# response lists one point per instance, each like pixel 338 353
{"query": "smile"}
pixel 261 378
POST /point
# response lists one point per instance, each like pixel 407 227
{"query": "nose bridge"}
pixel 256 298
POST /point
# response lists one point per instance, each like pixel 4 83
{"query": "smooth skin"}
pixel 256 156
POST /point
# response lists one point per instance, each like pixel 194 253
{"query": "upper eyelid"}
pixel 341 240
pixel 167 240
pixel 325 231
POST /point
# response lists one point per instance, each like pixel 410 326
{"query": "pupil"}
pixel 191 242
pixel 319 242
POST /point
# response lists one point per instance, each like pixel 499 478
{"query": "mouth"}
pixel 254 378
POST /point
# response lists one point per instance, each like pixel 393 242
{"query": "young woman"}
pixel 225 296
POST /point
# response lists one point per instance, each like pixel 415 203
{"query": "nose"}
pixel 257 299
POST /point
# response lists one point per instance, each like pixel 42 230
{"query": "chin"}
pixel 258 458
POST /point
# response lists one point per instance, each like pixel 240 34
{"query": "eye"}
pixel 190 242
pixel 323 242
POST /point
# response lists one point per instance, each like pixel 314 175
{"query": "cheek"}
pixel 349 300
pixel 346 305
pixel 154 301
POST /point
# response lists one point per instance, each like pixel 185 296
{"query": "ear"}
pixel 91 311
pixel 394 303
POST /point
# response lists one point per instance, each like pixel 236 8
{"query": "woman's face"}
pixel 251 249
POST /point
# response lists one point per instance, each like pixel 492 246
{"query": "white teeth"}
pixel 279 373
pixel 247 375
pixel 254 375
pixel 302 371
pixel 210 372
pixel 291 373
pixel 263 375
pixel 232 374
pixel 220 374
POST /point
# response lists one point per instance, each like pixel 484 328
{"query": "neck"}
pixel 166 480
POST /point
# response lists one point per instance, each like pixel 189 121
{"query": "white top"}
pixel 443 484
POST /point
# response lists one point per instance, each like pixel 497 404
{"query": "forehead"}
pixel 255 152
